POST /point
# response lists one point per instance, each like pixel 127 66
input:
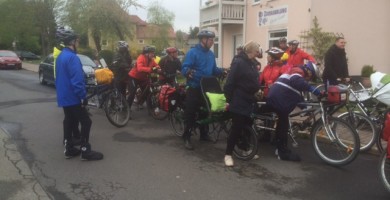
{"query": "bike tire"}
pixel 176 120
pixel 247 144
pixel 384 171
pixel 154 107
pixel 117 109
pixel 339 151
pixel 365 128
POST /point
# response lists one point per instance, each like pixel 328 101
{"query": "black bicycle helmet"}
pixel 206 34
pixel 60 34
pixel 275 52
pixel 293 42
pixel 148 49
pixel 68 36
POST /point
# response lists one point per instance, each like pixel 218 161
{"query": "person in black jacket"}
pixel 121 66
pixel 170 65
pixel 240 88
pixel 336 66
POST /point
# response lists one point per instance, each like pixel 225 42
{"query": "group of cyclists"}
pixel 281 81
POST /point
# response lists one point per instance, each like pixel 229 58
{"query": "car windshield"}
pixel 85 60
pixel 7 54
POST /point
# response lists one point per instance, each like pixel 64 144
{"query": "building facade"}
pixel 365 24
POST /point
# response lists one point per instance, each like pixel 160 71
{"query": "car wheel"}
pixel 42 79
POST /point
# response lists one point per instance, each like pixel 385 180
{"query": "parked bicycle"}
pixel 113 103
pixel 333 139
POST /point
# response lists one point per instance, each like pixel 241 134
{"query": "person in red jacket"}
pixel 139 74
pixel 272 71
pixel 297 56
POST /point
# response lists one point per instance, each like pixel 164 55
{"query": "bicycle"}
pixel 384 162
pixel 358 115
pixel 333 139
pixel 111 101
pixel 216 122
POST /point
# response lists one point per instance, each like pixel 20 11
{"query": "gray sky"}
pixel 186 12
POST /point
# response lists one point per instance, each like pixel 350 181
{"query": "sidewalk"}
pixel 30 66
pixel 17 181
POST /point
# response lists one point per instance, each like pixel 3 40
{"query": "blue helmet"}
pixel 206 34
pixel 311 70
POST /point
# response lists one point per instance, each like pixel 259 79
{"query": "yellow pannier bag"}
pixel 104 76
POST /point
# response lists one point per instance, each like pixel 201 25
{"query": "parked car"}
pixel 27 55
pixel 9 60
pixel 46 69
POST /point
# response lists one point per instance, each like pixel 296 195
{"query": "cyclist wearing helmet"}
pixel 272 71
pixel 121 66
pixel 199 62
pixel 71 95
pixel 56 51
pixel 297 56
pixel 170 66
pixel 139 74
pixel 283 97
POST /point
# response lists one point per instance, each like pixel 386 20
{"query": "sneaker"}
pixel 71 152
pixel 228 161
pixel 88 154
pixel 288 156
pixel 188 145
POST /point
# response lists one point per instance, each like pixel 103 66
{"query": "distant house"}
pixel 143 34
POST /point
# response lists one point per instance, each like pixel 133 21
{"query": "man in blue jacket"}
pixel 71 92
pixel 199 62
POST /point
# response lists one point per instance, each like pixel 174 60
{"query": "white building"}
pixel 365 25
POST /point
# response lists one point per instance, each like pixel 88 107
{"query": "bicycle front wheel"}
pixel 177 121
pixel 154 107
pixel 117 110
pixel 340 146
pixel 247 144
pixel 364 127
pixel 384 170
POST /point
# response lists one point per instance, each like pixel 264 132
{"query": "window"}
pixel 273 39
pixel 256 2
pixel 140 41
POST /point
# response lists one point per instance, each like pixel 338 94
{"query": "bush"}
pixel 107 55
pixel 367 70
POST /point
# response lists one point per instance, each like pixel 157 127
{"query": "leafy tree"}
pixel 193 32
pixel 163 19
pixel 99 18
pixel 320 40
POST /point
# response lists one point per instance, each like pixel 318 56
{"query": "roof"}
pixel 153 31
pixel 137 21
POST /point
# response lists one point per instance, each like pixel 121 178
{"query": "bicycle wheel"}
pixel 177 121
pixel 380 144
pixel 339 149
pixel 117 110
pixel 247 144
pixel 384 170
pixel 364 127
pixel 154 107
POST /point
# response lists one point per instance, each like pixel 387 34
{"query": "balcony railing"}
pixel 232 12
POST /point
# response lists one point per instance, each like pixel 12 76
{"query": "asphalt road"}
pixel 144 160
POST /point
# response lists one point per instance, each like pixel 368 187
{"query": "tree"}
pixel 99 18
pixel 193 32
pixel 163 19
pixel 320 40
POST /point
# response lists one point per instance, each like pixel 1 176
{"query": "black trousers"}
pixel 282 126
pixel 75 114
pixel 238 124
pixel 193 101
pixel 133 85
